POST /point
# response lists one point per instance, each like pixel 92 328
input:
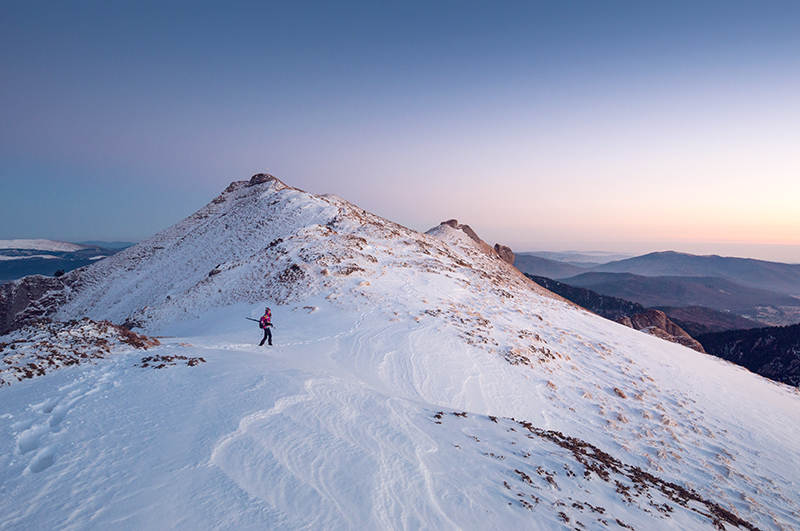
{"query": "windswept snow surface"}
pixel 417 382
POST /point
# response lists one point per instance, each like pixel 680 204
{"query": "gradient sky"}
pixel 618 126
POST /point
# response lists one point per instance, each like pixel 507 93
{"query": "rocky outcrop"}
pixel 260 178
pixel 505 253
pixel 29 299
pixel 501 251
pixel 685 341
pixel 466 229
pixel 658 319
pixel 656 323
pixel 40 348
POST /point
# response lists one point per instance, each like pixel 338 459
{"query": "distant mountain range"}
pixel 544 267
pixel 117 246
pixel 770 276
pixel 765 292
pixel 580 259
pixel 712 292
pixel 695 320
pixel 772 352
pixel 20 258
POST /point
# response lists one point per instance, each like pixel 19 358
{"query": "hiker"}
pixel 265 322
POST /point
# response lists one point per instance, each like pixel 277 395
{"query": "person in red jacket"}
pixel 265 323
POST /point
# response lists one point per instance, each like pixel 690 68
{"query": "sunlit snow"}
pixel 416 382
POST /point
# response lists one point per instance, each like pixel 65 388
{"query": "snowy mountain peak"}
pixel 258 178
pixel 261 240
pixel 401 362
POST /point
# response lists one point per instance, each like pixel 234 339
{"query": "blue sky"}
pixel 620 126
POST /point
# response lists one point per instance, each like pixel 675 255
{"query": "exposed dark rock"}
pixel 772 352
pixel 29 299
pixel 659 320
pixel 466 229
pixel 453 223
pixel 259 178
pixel 161 361
pixel 131 323
pixel 656 323
pixel 40 348
pixel 235 185
pixel 505 253
pixel 685 341
pixel 501 251
pixel 292 274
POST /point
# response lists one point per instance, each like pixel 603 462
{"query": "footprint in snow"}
pixel 52 412
pixel 43 460
pixel 28 440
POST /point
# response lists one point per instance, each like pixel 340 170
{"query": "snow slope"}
pixel 418 382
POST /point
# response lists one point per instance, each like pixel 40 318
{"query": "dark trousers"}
pixel 267 337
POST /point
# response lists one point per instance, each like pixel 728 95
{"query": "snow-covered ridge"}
pixel 263 240
pixel 43 245
pixel 401 362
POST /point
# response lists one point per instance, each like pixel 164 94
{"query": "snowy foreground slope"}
pixel 417 382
